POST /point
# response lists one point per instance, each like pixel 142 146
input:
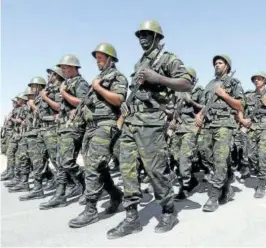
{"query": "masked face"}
pixel 259 82
pixel 220 67
pixel 146 39
pixel 101 59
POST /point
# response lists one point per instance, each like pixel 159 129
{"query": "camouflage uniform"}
pixel 101 118
pixel 218 133
pixel 13 146
pixel 45 143
pixel 143 136
pixel 257 135
pixel 70 134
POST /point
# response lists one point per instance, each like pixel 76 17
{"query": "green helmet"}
pixel 57 70
pixel 22 96
pixel 191 71
pixel 258 74
pixel 150 26
pixel 28 92
pixel 224 57
pixel 107 49
pixel 37 80
pixel 70 60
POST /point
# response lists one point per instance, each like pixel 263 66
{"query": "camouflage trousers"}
pixel 11 151
pixel 149 144
pixel 183 149
pixel 22 157
pixel 69 145
pixel 257 151
pixel 96 154
pixel 215 148
pixel 40 148
pixel 5 142
pixel 240 150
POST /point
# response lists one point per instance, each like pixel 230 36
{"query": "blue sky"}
pixel 36 34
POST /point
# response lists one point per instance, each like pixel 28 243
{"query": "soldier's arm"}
pixel 53 104
pixel 264 100
pixel 179 79
pixel 117 93
pixel 81 92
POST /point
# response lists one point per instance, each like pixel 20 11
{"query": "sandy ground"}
pixel 241 222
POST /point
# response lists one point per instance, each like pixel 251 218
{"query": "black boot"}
pixel 227 193
pixel 50 185
pixel 77 188
pixel 131 224
pixel 22 186
pixel 260 189
pixel 9 175
pixel 35 193
pixel 13 182
pixel 115 201
pixel 58 200
pixel 83 200
pixel 168 220
pixel 184 190
pixel 87 217
pixel 212 204
pixel 245 173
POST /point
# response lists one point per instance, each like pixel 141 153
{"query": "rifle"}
pixel 153 63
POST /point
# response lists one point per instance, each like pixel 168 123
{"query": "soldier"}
pixel 219 124
pixel 255 122
pixel 8 126
pixel 183 142
pixel 13 144
pixel 160 74
pixel 108 91
pixel 70 133
pixel 48 106
pixel 20 184
pixel 6 131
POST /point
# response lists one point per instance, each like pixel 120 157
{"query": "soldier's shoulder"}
pixel 249 92
pixel 198 88
pixel 235 81
pixel 170 57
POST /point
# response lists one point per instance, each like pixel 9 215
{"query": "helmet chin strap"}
pixel 151 46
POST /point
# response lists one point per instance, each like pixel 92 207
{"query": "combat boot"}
pixel 13 182
pixel 184 190
pixel 212 204
pixel 131 224
pixel 260 189
pixel 9 175
pixel 22 186
pixel 35 193
pixel 167 221
pixel 245 173
pixel 87 217
pixel 228 194
pixel 58 200
pixel 83 200
pixel 77 188
pixel 50 185
pixel 115 201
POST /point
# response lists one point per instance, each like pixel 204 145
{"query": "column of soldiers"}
pixel 166 127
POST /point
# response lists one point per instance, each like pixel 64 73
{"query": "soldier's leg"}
pixel 253 149
pixel 187 152
pixel 261 187
pixel 22 162
pixel 11 160
pixel 50 140
pixel 69 144
pixel 205 151
pixel 97 176
pixel 38 155
pixel 132 192
pixel 221 151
